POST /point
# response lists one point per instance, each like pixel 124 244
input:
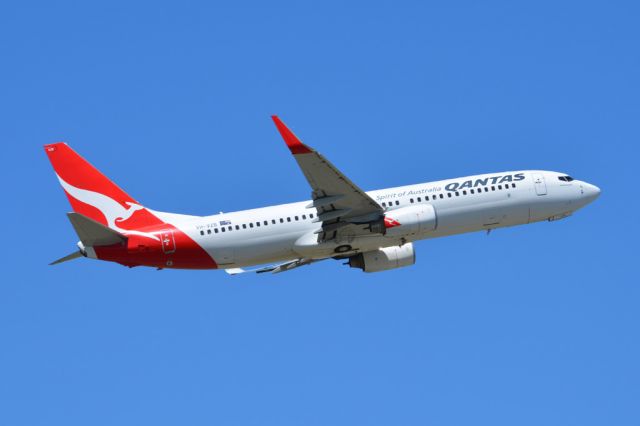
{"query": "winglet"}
pixel 292 141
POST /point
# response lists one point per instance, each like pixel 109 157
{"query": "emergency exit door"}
pixel 540 185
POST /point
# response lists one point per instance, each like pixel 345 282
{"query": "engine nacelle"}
pixel 410 220
pixel 384 259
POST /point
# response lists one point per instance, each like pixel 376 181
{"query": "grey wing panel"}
pixel 327 181
pixel 338 200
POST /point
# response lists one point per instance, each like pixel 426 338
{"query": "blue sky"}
pixel 530 325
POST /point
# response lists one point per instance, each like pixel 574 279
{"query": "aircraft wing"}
pixel 274 269
pixel 339 202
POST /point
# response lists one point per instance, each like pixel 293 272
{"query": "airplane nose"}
pixel 590 192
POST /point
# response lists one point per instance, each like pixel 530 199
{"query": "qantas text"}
pixel 454 186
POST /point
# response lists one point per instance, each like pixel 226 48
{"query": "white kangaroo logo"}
pixel 133 207
pixel 110 208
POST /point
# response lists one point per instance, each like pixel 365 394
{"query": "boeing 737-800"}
pixel 374 231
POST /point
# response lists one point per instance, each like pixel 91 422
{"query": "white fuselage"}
pixel 468 204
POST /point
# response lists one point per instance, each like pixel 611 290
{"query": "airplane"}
pixel 372 231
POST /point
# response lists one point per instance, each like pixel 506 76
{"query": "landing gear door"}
pixel 540 185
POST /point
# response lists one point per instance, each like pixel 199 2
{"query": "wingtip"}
pixel 50 147
pixel 295 145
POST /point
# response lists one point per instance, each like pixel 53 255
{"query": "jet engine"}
pixel 384 259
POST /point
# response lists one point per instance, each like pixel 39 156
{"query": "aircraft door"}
pixel 168 242
pixel 540 185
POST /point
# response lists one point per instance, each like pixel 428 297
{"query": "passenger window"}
pixel 486 189
pixel 250 225
pixel 237 227
pixel 288 219
pixel 230 228
pixel 420 199
pixel 441 196
pixel 449 194
pixel 281 220
pixel 215 230
pixel 472 191
pixel 457 194
pixel 296 217
pixel 500 187
pixel 201 232
pixel 493 188
pixel 273 221
pixel 397 203
pixel 266 222
pixel 244 226
pixel 311 216
pixel 464 192
pixel 411 200
pixel 513 185
pixel 384 204
pixel 257 223
pixel 209 231
pixel 223 230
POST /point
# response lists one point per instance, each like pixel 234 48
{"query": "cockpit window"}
pixel 565 178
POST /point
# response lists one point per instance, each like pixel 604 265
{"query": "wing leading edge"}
pixel 340 203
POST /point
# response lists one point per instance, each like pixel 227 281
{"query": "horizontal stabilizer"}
pixel 71 256
pixel 93 233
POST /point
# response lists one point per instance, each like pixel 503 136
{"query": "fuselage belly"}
pixel 471 209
